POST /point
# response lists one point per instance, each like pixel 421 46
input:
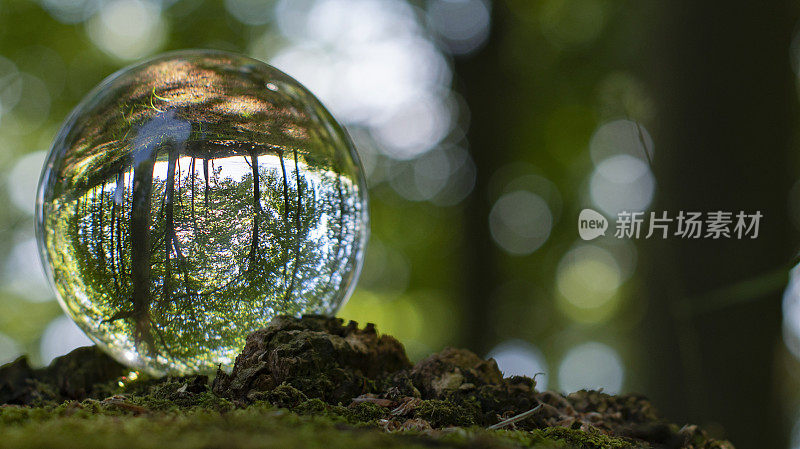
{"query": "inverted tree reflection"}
pixel 206 212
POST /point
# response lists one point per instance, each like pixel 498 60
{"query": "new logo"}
pixel 591 224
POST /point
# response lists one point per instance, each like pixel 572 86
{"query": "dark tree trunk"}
pixel 296 234
pixel 169 222
pixel 722 142
pixel 192 167
pixel 256 211
pixel 285 208
pixel 285 187
pixel 486 88
pixel 140 244
pixel 119 201
pixel 205 175
pixel 99 247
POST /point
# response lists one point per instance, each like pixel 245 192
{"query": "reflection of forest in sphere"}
pixel 189 199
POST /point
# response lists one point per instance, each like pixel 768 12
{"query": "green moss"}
pixel 305 398
pixel 440 413
pixel 585 440
pixel 361 414
pixel 476 437
pixel 367 412
pixel 178 413
pixel 312 407
pixel 251 428
pixel 176 393
pixel 95 424
pixel 550 438
pixel 284 395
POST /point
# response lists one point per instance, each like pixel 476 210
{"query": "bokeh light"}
pixel 23 273
pixel 622 183
pixel 620 137
pixel 128 29
pixel 9 349
pixel 519 358
pixel 794 439
pixel 791 313
pixel 61 336
pixel 251 12
pixel 71 11
pixel 377 66
pixel 588 278
pixel 462 24
pixel 23 180
pixel 520 222
pixel 591 365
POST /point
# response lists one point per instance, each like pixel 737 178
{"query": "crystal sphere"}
pixel 189 199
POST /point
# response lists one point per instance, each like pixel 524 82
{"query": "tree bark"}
pixel 256 211
pixel 722 142
pixel 140 244
pixel 484 85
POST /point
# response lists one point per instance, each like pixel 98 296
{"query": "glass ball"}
pixel 189 199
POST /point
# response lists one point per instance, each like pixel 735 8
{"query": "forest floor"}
pixel 316 382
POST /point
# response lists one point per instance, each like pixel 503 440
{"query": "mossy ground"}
pixel 151 421
pixel 313 382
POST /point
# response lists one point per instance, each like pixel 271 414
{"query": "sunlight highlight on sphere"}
pixel 587 279
pixel 520 358
pixel 622 183
pixel 593 366
pixel 128 29
pixel 61 336
pixel 189 200
pixel 520 222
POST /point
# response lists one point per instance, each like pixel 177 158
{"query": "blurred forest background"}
pixel 485 127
